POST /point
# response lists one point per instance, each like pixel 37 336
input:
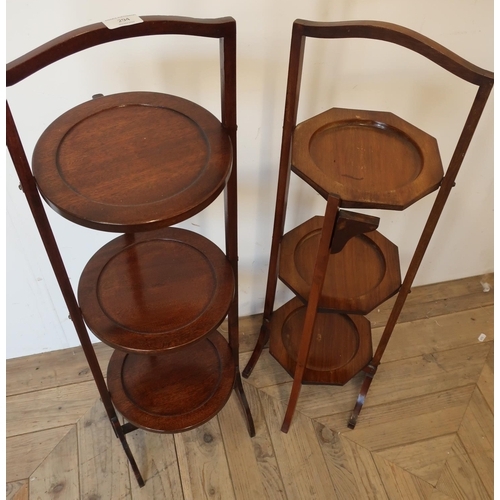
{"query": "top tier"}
pixel 369 159
pixel 133 161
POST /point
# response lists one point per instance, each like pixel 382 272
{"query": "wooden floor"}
pixel 426 431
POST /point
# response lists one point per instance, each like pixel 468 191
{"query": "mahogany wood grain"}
pixel 341 344
pixel 29 187
pixel 349 225
pixel 370 159
pixel 405 37
pixel 291 107
pixel 318 279
pixel 132 161
pixel 174 391
pixel 316 151
pixel 97 34
pixel 156 291
pixel 229 106
pixel 359 278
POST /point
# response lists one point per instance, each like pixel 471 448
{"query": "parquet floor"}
pixel 426 431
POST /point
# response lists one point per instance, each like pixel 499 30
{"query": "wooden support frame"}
pixel 83 38
pixel 429 49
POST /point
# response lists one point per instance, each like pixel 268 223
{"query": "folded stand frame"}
pixel 320 337
pixel 136 163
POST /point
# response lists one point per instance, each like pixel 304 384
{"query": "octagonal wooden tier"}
pixel 133 161
pixel 174 391
pixel 365 273
pixel 156 291
pixel 341 344
pixel 367 158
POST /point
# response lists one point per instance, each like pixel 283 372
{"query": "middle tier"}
pixel 360 277
pixel 156 291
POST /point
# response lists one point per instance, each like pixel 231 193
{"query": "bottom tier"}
pixel 341 344
pixel 176 391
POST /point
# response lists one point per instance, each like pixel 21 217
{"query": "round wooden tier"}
pixel 360 277
pixel 156 291
pixel 133 161
pixel 176 391
pixel 367 158
pixel 341 344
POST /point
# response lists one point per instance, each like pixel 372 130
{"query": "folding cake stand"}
pixel 137 163
pixel 339 267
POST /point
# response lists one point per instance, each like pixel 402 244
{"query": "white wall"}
pixel 336 73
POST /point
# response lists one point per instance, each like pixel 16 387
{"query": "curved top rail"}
pixel 97 34
pixel 399 35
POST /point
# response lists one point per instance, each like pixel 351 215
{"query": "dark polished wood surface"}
pixel 369 159
pixel 156 291
pixel 399 35
pixel 358 278
pixel 176 391
pixel 132 161
pixel 96 34
pixel 360 159
pixel 341 344
pixel 137 162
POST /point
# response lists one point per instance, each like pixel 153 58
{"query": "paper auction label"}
pixel 118 22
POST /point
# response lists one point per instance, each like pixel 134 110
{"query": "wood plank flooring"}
pixel 426 431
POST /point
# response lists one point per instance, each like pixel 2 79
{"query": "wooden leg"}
pixel 312 306
pixel 447 184
pixel 259 346
pixel 401 298
pixel 371 370
pixel 234 344
pixel 289 121
pixel 120 434
pixel 233 327
pixel 238 386
pixel 278 228
pixel 35 203
pixel 272 282
pixel 305 343
pixel 231 224
pixel 133 464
